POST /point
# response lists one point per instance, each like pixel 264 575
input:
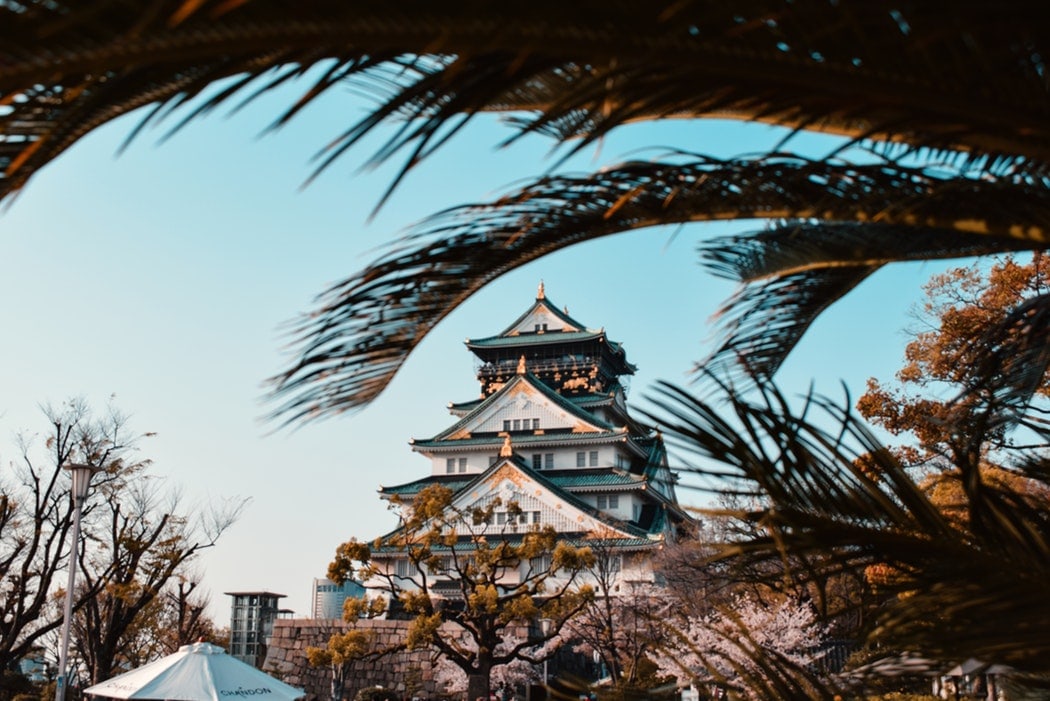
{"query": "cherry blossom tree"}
pixel 519 672
pixel 748 646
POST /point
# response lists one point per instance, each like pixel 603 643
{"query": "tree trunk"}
pixel 338 685
pixel 478 686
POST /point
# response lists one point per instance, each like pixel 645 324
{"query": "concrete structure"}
pixel 252 617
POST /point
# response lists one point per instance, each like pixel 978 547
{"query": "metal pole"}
pixel 81 475
pixel 63 650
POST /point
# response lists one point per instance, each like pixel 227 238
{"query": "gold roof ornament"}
pixel 539 292
pixel 521 365
pixel 505 450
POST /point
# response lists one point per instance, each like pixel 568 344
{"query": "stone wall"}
pixel 410 674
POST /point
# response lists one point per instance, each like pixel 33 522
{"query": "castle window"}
pixel 506 424
pixel 548 461
pixel 614 501
pixel 537 461
pixel 594 458
pixel 581 459
pixel 501 518
pixel 541 563
pixel 535 516
pixel 462 464
pixel 535 424
pixel 517 424
pixel 450 465
pixel 603 501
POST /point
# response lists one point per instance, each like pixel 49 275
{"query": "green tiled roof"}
pixel 581 400
pixel 536 384
pixel 562 479
pixel 522 439
pixel 530 339
pixel 563 494
pixel 577 540
pixel 582 479
pixel 453 482
pixel 543 302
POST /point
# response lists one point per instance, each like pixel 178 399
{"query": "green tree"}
pixel 946 104
pixel 341 651
pixel 496 579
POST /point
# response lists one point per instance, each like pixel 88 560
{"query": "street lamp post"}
pixel 545 628
pixel 81 475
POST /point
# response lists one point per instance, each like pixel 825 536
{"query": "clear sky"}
pixel 162 277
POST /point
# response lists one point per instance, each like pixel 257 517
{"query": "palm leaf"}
pixel 1011 364
pixel 961 592
pixel 963 83
pixel 367 325
pixel 795 271
pixel 969 80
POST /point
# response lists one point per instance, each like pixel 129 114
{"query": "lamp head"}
pixel 81 475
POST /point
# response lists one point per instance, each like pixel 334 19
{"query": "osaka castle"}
pixel 551 433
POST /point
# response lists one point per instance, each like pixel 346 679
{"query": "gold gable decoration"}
pixel 506 450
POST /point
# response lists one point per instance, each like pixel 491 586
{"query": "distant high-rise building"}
pixel 251 624
pixel 328 597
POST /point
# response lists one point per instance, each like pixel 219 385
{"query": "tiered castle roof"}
pixel 551 431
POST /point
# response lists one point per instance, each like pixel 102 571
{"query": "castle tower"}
pixel 551 431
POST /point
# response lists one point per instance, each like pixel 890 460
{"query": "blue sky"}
pixel 162 277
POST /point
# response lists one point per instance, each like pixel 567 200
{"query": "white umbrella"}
pixel 970 666
pixel 198 672
pixel 904 665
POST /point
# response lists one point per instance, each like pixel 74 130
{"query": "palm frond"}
pixel 794 247
pixel 1012 362
pixel 366 326
pixel 834 500
pixel 962 79
pixel 794 271
pixel 761 324
pixel 966 86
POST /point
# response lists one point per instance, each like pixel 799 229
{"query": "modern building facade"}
pixel 252 614
pixel 327 597
pixel 551 433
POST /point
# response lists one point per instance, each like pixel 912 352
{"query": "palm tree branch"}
pixel 824 512
pixel 796 270
pixel 852 70
pixel 365 326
